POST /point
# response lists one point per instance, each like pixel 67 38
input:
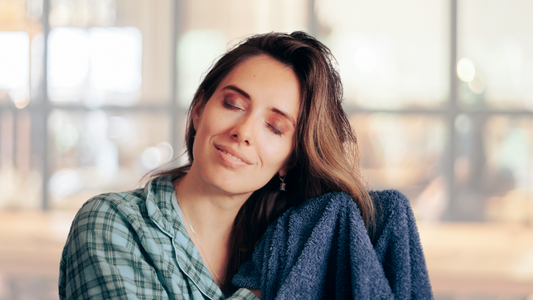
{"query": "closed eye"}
pixel 274 129
pixel 231 106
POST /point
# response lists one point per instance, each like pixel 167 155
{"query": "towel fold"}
pixel 321 250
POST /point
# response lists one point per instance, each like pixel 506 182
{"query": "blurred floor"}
pixel 465 260
pixel 479 260
pixel 30 250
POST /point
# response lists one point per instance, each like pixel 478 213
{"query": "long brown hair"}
pixel 325 156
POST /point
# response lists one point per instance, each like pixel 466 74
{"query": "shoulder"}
pixel 102 224
pixel 130 204
pixel 112 243
pixel 119 210
pixel 127 211
pixel 99 222
pixel 106 216
pixel 109 204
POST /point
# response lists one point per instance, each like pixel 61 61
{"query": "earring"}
pixel 282 185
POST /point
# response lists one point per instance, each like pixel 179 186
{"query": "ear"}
pixel 196 116
pixel 284 170
pixel 289 164
pixel 196 113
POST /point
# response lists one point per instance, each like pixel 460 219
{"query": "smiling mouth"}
pixel 235 158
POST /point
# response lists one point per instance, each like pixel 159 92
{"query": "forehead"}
pixel 261 75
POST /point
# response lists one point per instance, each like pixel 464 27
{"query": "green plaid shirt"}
pixel 133 245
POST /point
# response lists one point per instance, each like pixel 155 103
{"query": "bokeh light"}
pixel 466 70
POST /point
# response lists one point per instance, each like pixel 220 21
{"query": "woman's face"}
pixel 244 132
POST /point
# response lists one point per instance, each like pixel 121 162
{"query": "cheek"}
pixel 275 151
pixel 212 123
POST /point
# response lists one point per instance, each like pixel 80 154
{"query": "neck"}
pixel 210 210
pixel 212 213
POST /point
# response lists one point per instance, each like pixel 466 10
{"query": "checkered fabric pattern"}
pixel 134 245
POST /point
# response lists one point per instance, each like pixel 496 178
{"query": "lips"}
pixel 232 154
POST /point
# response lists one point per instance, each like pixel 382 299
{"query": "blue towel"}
pixel 321 250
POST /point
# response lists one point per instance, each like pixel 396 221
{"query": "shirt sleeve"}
pixel 103 259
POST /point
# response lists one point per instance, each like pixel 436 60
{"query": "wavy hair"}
pixel 325 156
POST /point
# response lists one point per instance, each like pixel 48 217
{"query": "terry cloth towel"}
pixel 321 250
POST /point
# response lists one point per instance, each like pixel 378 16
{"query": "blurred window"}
pixel 493 168
pixel 99 151
pixel 15 67
pixel 98 106
pixel 391 54
pixel 405 152
pixel 496 42
pixel 97 66
pixel 20 175
pixel 106 104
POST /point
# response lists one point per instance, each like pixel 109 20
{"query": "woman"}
pixel 266 132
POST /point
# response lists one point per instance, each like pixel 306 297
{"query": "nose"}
pixel 242 132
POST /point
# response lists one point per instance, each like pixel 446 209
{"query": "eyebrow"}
pixel 238 90
pixel 283 114
pixel 273 109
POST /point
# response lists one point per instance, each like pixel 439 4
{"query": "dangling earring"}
pixel 282 185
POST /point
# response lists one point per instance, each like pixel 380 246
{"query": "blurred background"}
pixel 93 95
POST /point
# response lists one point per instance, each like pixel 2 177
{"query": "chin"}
pixel 233 184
